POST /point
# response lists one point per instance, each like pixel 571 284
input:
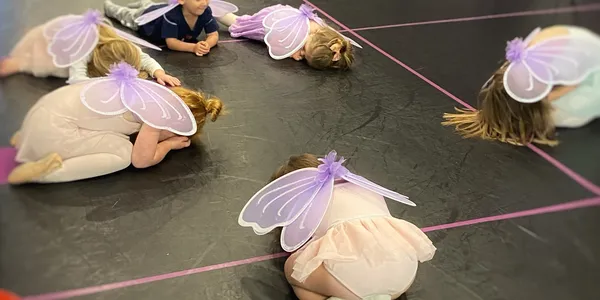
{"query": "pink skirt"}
pixel 32 54
pixel 385 248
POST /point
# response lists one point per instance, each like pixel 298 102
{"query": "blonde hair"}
pixel 201 105
pixel 504 119
pixel 325 45
pixel 112 49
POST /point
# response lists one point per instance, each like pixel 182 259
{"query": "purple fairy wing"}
pixel 221 8
pixel 134 39
pixel 369 185
pixel 569 59
pixel 280 202
pixel 155 14
pixel 103 96
pixel 54 26
pixel 158 107
pixel 287 33
pixel 521 85
pixel 303 228
pixel 75 41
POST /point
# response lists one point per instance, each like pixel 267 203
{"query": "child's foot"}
pixel 8 66
pixel 27 172
pixel 14 140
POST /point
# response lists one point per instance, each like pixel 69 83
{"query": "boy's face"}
pixel 194 7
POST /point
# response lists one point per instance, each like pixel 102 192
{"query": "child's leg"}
pixel 107 153
pixel 124 14
pixel 318 286
pixel 8 66
pixel 227 19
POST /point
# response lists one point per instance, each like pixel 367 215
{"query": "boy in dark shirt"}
pixel 178 28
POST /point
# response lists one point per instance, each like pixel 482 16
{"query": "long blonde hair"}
pixel 329 49
pixel 112 49
pixel 201 105
pixel 502 118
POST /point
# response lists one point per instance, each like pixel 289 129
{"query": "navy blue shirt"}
pixel 173 25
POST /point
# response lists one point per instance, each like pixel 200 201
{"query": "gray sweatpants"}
pixel 127 14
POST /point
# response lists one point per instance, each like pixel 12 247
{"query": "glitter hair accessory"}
pixel 562 60
pixel 298 201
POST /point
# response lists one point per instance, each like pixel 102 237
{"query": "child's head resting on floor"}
pixel 326 49
pixel 201 105
pixel 502 118
pixel 298 162
pixel 112 49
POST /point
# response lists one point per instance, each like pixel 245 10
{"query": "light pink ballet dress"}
pixel 32 54
pixel 359 236
pixel 89 144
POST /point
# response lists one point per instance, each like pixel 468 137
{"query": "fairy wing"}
pixel 54 26
pixel 75 41
pixel 281 202
pixel 134 39
pixel 369 185
pixel 158 106
pixel 103 96
pixel 287 33
pixel 353 42
pixel 303 228
pixel 221 8
pixel 565 60
pixel 155 14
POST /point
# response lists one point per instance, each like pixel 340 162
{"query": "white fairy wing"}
pixel 280 202
pixel 54 26
pixel 303 228
pixel 73 42
pixel 103 96
pixel 134 39
pixel 521 85
pixel 286 35
pixel 155 14
pixel 221 8
pixel 158 107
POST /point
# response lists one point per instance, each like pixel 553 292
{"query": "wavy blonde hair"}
pixel 325 45
pixel 504 119
pixel 112 49
pixel 201 105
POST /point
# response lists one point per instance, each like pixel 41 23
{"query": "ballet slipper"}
pixel 8 66
pixel 14 140
pixel 30 171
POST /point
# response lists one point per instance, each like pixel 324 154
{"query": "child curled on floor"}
pixel 338 227
pixel 550 79
pixel 79 47
pixel 82 130
pixel 296 33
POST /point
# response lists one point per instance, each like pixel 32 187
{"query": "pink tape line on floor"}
pixel 572 174
pixel 117 285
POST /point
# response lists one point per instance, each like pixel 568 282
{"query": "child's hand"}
pixel 202 48
pixel 178 142
pixel 164 79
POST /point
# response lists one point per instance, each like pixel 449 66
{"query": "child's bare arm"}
pixel 212 39
pixel 177 45
pixel 148 151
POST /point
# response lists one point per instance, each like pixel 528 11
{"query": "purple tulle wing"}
pixel 302 229
pixel 280 202
pixel 369 185
pixel 134 39
pixel 74 42
pixel 221 8
pixel 54 26
pixel 103 96
pixel 158 107
pixel 287 33
pixel 521 85
pixel 155 14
